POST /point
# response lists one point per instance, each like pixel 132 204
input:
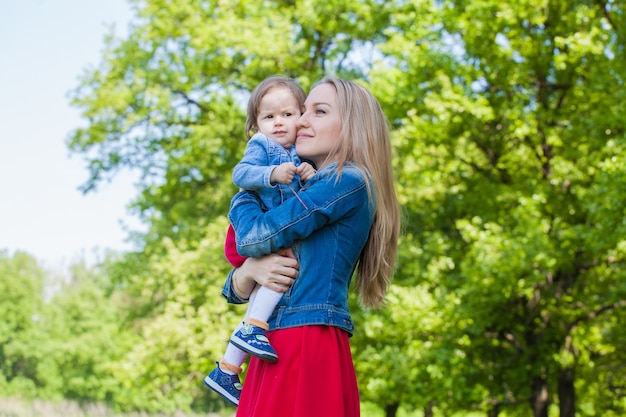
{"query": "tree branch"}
pixel 594 314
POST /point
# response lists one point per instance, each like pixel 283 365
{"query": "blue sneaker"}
pixel 226 385
pixel 252 339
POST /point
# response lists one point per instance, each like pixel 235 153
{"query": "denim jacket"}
pixel 253 172
pixel 326 233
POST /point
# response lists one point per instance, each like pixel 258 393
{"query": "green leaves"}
pixel 182 324
pixel 500 167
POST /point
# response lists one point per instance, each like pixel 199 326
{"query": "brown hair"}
pixel 261 90
pixel 365 142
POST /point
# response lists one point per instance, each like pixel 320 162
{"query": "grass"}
pixel 11 407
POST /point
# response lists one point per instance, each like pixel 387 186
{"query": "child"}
pixel 271 168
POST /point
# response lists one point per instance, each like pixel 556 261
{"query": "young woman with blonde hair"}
pixel 346 219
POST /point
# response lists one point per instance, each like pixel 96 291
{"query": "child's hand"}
pixel 305 171
pixel 283 173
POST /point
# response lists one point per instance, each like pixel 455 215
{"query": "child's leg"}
pixel 250 336
pixel 264 304
pixel 234 355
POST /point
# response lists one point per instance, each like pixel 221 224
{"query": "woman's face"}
pixel 319 126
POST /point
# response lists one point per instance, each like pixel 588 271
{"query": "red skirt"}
pixel 314 376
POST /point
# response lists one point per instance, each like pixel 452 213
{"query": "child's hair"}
pixel 261 90
pixel 365 142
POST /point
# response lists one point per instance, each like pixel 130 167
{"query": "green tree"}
pixel 182 324
pixel 507 124
pixel 509 169
pixel 83 333
pixel 61 333
pixel 21 301
pixel 169 100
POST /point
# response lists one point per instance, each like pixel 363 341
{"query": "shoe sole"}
pixel 261 354
pixel 221 391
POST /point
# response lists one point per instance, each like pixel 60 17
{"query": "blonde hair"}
pixel 365 142
pixel 261 90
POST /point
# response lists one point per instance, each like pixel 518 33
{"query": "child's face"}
pixel 278 114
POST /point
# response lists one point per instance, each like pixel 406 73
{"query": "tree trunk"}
pixel 494 411
pixel 428 410
pixel 391 410
pixel 539 398
pixel 567 393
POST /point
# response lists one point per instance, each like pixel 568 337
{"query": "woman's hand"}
pixel 276 272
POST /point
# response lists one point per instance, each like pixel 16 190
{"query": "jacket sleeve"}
pixel 253 171
pixel 229 292
pixel 325 199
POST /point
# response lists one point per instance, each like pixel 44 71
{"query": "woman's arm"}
pixel 325 199
pixel 276 271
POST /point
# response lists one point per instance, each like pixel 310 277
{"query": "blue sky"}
pixel 44 46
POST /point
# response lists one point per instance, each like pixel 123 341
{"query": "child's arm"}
pixel 253 171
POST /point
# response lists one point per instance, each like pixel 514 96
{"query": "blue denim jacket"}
pixel 327 237
pixel 253 172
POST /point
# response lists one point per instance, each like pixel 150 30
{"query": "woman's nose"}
pixel 302 120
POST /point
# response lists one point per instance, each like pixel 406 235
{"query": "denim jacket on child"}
pixel 253 172
pixel 326 230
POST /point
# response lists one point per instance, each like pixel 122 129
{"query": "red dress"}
pixel 314 376
pixel 230 249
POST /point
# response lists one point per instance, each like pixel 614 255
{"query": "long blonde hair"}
pixel 365 142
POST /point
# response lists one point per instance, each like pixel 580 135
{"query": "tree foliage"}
pixel 21 303
pixel 182 322
pixel 509 151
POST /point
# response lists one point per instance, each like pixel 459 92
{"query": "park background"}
pixel 508 130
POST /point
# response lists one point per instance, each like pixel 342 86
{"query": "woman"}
pixel 347 219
